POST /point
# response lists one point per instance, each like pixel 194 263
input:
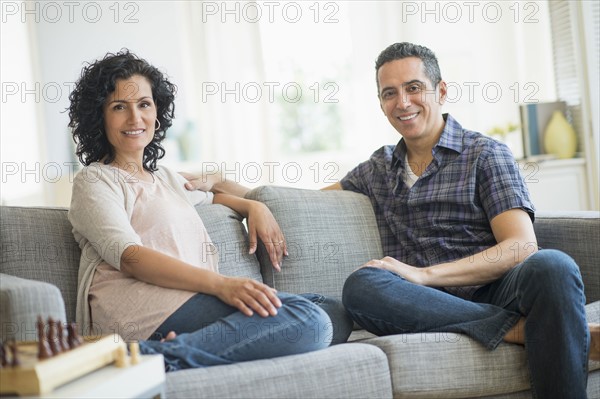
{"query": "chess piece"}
pixel 3 354
pixel 52 337
pixel 73 339
pixel 134 351
pixel 121 359
pixel 44 351
pixel 62 339
pixel 13 351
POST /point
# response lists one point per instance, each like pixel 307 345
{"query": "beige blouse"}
pixel 109 212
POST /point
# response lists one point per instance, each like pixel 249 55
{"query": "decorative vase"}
pixel 560 139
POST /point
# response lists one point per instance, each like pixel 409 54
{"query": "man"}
pixel 455 220
pixel 456 223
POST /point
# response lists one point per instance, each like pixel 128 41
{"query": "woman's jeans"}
pixel 546 289
pixel 211 332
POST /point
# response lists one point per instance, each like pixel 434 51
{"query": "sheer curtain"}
pixel 244 55
pixel 25 173
pixel 225 70
pixel 288 98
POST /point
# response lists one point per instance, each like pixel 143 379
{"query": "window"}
pixel 310 60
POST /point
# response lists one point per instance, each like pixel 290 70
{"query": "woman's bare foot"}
pixel 171 335
pixel 595 341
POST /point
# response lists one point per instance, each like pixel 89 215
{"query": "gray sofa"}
pixel 329 234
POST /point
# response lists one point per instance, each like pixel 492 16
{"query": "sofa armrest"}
pixel 576 233
pixel 22 301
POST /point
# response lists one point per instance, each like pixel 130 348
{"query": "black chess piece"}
pixel 3 355
pixel 52 336
pixel 44 351
pixel 73 339
pixel 13 351
pixel 62 339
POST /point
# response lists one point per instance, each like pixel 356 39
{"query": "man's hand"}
pixel 249 296
pixel 335 186
pixel 263 225
pixel 199 182
pixel 416 275
pixel 215 183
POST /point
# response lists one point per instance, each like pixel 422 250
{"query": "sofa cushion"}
pixel 328 233
pixel 229 235
pixel 37 244
pixel 448 365
pixel 577 234
pixel 341 371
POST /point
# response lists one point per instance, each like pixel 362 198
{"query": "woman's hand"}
pixel 249 296
pixel 413 274
pixel 263 225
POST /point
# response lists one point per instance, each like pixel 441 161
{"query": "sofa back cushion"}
pixel 229 236
pixel 329 234
pixel 577 234
pixel 37 244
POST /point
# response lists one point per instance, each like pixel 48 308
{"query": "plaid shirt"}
pixel 446 215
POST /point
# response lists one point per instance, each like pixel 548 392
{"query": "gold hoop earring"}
pixel 158 127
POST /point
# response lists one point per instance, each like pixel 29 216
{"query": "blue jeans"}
pixel 546 289
pixel 341 322
pixel 211 333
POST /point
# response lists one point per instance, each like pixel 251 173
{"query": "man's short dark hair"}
pixel 398 51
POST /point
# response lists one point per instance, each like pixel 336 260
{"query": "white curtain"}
pixel 225 71
pixel 24 170
pixel 334 50
pixel 339 41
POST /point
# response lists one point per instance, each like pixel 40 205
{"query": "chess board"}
pixel 35 376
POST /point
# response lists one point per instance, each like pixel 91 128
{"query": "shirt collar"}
pixel 451 138
pixel 399 153
pixel 452 135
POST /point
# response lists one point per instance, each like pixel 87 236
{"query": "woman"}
pixel 143 272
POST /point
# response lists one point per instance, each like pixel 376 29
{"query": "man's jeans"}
pixel 211 332
pixel 546 289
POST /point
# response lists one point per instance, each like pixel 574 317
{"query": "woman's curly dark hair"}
pixel 86 111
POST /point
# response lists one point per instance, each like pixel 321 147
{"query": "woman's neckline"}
pixel 130 176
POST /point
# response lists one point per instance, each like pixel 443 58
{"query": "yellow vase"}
pixel 560 139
